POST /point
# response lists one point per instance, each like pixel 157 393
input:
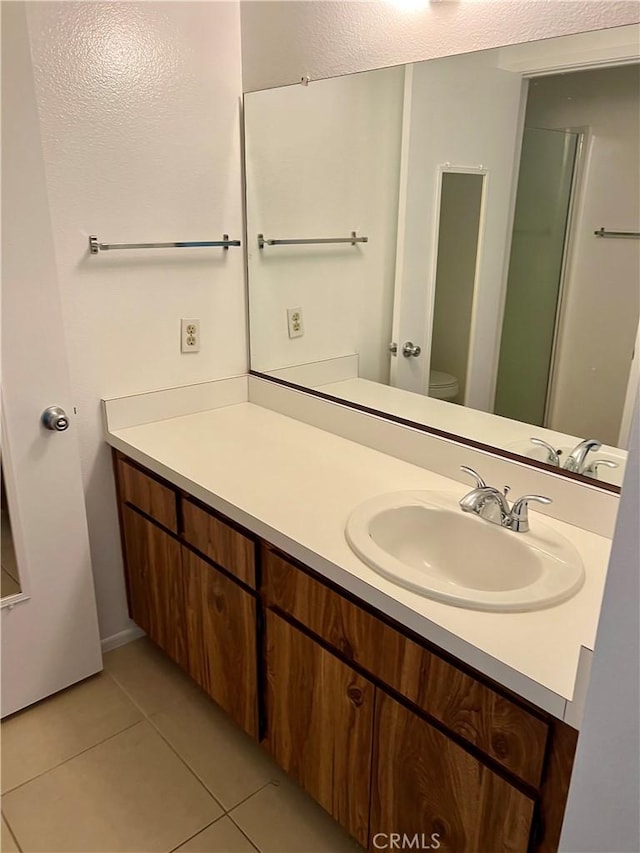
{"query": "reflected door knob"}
pixel 55 418
pixel 410 349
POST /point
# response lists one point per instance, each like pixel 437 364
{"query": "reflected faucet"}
pixel 492 505
pixel 553 455
pixel 576 460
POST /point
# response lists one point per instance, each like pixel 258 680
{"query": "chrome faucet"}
pixel 491 504
pixel 576 460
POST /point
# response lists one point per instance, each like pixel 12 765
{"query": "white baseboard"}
pixel 121 638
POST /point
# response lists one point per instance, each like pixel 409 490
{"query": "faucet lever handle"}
pixel 480 483
pixel 592 470
pixel 553 456
pixel 520 511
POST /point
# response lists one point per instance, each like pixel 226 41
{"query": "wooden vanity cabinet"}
pixel 198 613
pixel 388 733
pixel 451 753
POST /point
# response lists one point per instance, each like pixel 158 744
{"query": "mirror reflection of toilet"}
pixel 442 386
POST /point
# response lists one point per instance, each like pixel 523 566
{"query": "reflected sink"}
pixel 424 542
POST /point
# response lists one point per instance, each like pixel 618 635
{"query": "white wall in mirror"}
pixel 316 182
pixel 367 153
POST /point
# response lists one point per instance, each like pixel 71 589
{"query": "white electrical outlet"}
pixel 294 322
pixel 190 335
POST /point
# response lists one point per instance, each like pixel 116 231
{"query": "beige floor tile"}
pixel 8 841
pixel 130 793
pixel 45 735
pixel 283 819
pixel 222 837
pixel 149 677
pixel 227 761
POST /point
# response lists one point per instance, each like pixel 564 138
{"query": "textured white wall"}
pixel 139 112
pixel 285 39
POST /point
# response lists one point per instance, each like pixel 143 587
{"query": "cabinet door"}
pixel 319 723
pixel 424 784
pixel 156 584
pixel 221 634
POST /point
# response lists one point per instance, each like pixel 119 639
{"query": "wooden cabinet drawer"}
pixel 148 495
pixel 221 636
pixel 501 728
pixel 220 542
pixel 427 786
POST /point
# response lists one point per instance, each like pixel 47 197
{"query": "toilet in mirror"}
pixel 454 244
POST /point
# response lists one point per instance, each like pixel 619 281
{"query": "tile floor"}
pixel 139 759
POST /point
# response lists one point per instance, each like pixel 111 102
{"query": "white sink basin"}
pixel 424 542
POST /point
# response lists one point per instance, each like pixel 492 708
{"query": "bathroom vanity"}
pixel 396 713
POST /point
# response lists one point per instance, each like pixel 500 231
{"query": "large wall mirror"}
pixel 454 243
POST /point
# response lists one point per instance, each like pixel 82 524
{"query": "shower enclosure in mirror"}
pixel 432 247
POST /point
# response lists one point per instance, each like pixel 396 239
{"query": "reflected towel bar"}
pixel 602 232
pixel 95 246
pixel 352 240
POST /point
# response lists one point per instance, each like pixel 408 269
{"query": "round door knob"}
pixel 410 349
pixel 55 418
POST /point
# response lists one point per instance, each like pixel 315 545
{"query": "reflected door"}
pixel 49 627
pixel 536 265
pixel 476 128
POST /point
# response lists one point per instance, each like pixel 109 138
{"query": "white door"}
pixel 460 114
pixel 49 630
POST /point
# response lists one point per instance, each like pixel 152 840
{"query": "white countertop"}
pixel 295 485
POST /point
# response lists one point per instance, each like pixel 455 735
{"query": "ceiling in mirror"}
pixel 455 243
